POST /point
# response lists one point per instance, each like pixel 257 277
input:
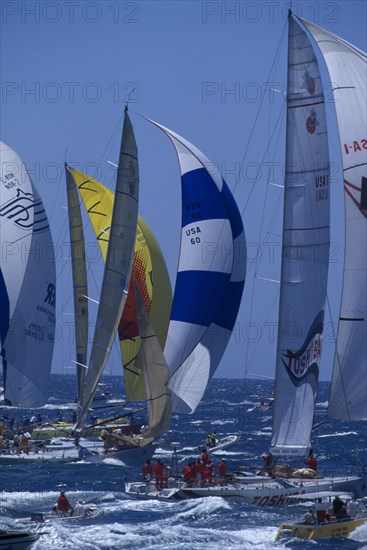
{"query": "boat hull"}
pixel 253 492
pixel 224 443
pixel 129 456
pixel 17 540
pixel 335 529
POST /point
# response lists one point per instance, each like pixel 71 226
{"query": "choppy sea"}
pixel 211 523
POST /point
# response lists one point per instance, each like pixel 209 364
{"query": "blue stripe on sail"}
pixel 4 309
pixel 232 211
pixel 197 294
pixel 226 315
pixel 4 322
pixel 201 199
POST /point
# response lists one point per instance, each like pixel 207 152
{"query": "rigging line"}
pixel 337 361
pixel 263 240
pixel 256 265
pixel 112 138
pixel 272 70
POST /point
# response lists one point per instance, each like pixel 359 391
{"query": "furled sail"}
pixel 118 265
pixel 210 278
pixel 149 272
pixel 27 286
pixel 305 251
pixel 347 68
pixel 80 285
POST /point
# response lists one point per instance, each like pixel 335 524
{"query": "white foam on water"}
pixel 359 534
pixel 337 434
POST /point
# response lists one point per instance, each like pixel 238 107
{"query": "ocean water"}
pixel 212 523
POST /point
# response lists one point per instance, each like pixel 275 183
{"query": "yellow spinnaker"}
pixel 149 271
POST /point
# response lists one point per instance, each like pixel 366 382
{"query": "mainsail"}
pixel 149 272
pixel 210 277
pixel 347 68
pixel 80 285
pixel 305 251
pixel 27 286
pixel 118 265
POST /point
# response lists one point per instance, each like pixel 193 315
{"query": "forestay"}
pixel 210 277
pixel 305 253
pixel 347 68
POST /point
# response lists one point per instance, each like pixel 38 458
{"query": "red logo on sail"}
pixel 312 122
pixel 298 364
pixel 310 83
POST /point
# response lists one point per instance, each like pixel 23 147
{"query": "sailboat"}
pixel 305 267
pixel 114 291
pixel 27 286
pixel 297 368
pixel 117 268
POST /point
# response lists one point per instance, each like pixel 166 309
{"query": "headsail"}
pixel 118 265
pixel 347 68
pixel 210 278
pixel 156 375
pixel 149 272
pixel 27 284
pixel 305 251
pixel 80 284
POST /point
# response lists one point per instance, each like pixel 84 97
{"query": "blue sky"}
pixel 199 68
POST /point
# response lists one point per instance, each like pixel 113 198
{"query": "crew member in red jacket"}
pixel 199 469
pixel 187 473
pixel 205 457
pixel 311 461
pixel 159 473
pixel 222 469
pixel 63 506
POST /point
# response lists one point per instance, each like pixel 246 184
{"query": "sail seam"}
pixel 306 228
pixel 305 105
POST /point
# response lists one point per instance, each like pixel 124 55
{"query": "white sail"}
pixel 210 278
pixel 80 285
pixel 347 68
pixel 118 265
pixel 27 286
pixel 305 251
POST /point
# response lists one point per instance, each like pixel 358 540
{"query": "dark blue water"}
pixel 213 522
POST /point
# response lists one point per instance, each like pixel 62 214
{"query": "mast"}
pixel 305 251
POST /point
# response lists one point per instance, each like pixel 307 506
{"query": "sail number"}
pixel 322 187
pixel 194 209
pixel 193 233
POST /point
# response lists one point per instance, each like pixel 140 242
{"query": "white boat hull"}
pixel 264 493
pixel 224 443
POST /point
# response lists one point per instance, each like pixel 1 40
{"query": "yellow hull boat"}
pixel 340 528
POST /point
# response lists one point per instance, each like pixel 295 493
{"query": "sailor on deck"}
pixel 63 505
